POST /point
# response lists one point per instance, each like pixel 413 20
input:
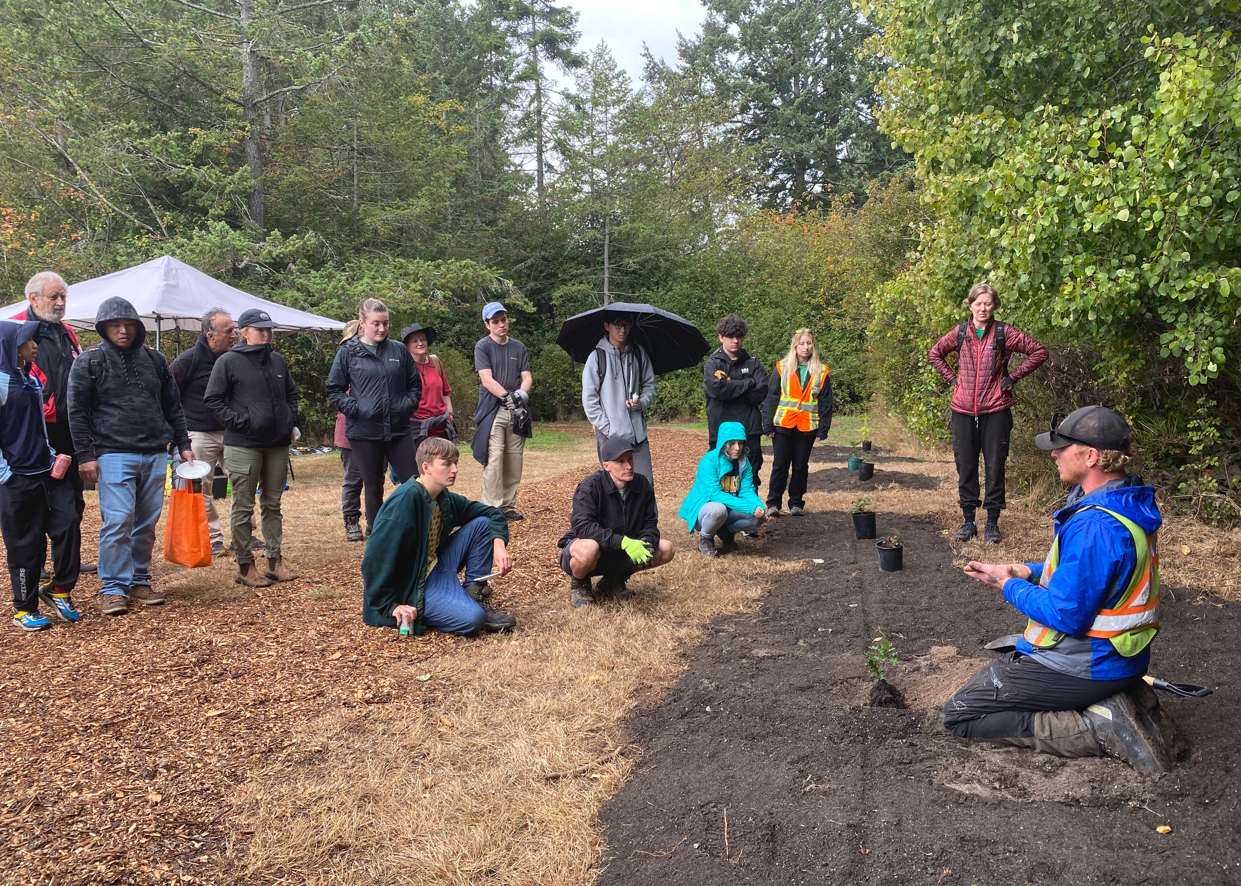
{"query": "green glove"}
pixel 636 549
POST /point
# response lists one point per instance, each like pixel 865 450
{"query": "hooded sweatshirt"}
pixel 715 471
pixel 123 401
pixel 628 375
pixel 252 392
pixel 23 437
pixel 1097 559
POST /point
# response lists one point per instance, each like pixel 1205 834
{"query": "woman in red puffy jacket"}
pixel 982 402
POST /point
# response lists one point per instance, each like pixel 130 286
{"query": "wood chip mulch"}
pixel 127 737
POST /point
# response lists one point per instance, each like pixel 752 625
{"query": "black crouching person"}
pixel 613 529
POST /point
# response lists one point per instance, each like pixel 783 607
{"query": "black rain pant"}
pixel 32 509
pixel 1000 701
pixel 791 450
pixel 986 434
pixel 372 457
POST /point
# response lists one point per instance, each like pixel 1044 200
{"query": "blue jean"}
pixel 131 496
pixel 446 606
pixel 713 516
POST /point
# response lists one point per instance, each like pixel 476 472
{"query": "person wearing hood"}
pixel 1073 686
pixel 252 393
pixel 618 386
pixel 191 371
pixel 723 500
pixel 33 504
pixel 124 409
pixel 736 385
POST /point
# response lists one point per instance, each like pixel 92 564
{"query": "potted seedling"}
pixel 855 455
pixel 879 655
pixel 865 433
pixel 865 470
pixel 890 553
pixel 863 520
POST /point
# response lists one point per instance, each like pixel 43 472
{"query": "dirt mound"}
pixel 766 765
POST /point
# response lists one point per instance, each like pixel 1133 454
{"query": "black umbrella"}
pixel 671 341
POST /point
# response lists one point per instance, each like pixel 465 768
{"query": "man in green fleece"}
pixel 414 557
pixel 723 500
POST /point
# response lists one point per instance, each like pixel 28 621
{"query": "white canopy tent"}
pixel 169 294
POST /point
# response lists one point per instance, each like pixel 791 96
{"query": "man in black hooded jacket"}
pixel 124 408
pixel 251 391
pixel 736 385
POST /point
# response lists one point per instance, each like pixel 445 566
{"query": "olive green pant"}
pixel 248 470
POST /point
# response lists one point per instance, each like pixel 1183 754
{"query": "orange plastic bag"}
pixel 187 540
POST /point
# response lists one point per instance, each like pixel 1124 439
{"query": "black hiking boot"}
pixel 613 589
pixel 968 531
pixel 494 621
pixel 728 543
pixel 580 592
pixel 1118 729
pixel 706 546
pixel 353 532
pixel 991 532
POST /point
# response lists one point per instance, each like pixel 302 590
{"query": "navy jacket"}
pixel 23 438
pixel 191 371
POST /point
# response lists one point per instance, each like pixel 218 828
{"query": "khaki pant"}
pixel 502 474
pixel 248 470
pixel 208 446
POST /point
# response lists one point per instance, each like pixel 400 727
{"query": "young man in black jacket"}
pixel 736 384
pixel 124 407
pixel 613 529
pixel 191 371
pixel 252 393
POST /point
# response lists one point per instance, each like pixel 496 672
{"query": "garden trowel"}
pixel 1008 643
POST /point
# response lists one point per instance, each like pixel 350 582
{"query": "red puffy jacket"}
pixel 979 372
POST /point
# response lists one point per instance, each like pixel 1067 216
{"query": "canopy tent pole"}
pixel 158 320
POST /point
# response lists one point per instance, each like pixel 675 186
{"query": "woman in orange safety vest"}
pixel 797 411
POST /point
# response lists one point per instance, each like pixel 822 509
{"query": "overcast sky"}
pixel 626 24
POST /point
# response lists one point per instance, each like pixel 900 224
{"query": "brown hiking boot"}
pixel 146 595
pixel 277 571
pixel 114 604
pixel 250 576
pixel 580 592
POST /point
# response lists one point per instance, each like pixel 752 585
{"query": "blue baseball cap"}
pixel 492 308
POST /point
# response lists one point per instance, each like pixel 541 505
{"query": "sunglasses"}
pixel 1057 419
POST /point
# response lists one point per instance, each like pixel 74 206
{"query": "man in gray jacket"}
pixel 618 386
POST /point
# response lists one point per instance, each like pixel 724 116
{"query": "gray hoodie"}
pixel 628 376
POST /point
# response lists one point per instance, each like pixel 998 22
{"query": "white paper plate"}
pixel 193 470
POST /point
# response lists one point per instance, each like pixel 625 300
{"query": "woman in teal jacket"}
pixel 722 500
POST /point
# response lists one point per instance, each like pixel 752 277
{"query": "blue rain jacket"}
pixel 714 465
pixel 23 436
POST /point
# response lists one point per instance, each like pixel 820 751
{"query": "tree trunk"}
pixel 538 119
pixel 357 196
pixel 607 253
pixel 249 93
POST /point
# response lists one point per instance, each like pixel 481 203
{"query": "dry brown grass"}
pixel 504 777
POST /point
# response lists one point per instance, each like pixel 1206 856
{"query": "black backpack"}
pixel 1000 356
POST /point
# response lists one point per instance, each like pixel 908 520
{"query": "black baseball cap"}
pixel 418 327
pixel 1095 426
pixel 614 447
pixel 256 319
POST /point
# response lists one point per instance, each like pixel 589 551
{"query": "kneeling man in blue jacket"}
pixel 1073 685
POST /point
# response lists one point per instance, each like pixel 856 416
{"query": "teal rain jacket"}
pixel 714 465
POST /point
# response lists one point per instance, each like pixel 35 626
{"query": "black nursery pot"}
pixel 890 559
pixel 866 470
pixel 864 525
pixel 866 446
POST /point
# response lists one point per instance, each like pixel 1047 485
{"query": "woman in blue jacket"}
pixel 723 500
pixel 33 503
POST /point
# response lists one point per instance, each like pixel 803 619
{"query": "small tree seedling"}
pixel 890 541
pixel 879 654
pixel 859 506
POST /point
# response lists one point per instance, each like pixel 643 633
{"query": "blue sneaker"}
pixel 61 605
pixel 31 621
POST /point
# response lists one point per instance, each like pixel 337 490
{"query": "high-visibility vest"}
pixel 792 411
pixel 1133 620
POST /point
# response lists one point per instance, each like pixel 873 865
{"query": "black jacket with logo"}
pixel 252 393
pixel 601 514
pixel 735 388
pixel 192 370
pixel 376 392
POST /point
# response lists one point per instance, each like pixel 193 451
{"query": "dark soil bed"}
pixel 767 765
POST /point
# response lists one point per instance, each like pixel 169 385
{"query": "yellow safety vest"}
pixel 791 411
pixel 1133 621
